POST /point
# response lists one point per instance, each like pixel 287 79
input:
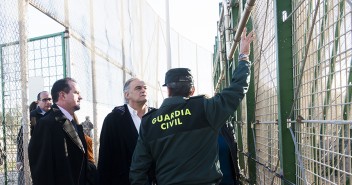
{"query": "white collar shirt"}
pixel 68 115
pixel 136 119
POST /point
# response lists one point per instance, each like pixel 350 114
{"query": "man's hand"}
pixel 246 42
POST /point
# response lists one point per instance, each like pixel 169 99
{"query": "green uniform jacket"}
pixel 180 138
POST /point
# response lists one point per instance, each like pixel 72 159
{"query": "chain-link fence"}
pixel 104 44
pixel 322 67
pixel 11 86
pixel 45 64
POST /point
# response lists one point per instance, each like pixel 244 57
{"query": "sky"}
pixel 35 24
pixel 194 19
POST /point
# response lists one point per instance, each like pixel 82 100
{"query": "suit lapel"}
pixel 68 127
pixel 70 130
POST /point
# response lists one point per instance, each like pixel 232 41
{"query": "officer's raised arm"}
pixel 224 103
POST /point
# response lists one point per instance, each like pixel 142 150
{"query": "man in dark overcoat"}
pixel 119 134
pixel 40 108
pixel 57 150
pixel 44 100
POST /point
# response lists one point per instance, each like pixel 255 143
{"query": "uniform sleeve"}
pixel 223 104
pixel 141 162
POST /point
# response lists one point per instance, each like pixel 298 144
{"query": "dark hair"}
pixel 61 85
pixel 180 89
pixel 38 96
pixel 33 106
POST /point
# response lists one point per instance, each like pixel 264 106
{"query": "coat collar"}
pixel 67 127
pixel 38 110
pixel 173 100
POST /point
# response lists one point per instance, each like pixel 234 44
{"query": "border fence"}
pixel 295 125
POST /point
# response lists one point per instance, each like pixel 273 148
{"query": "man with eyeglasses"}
pixel 44 105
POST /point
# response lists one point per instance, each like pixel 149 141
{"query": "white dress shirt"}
pixel 136 119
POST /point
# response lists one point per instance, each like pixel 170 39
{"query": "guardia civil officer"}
pixel 181 137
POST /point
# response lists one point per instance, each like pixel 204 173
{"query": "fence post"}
pixel 22 13
pixel 285 87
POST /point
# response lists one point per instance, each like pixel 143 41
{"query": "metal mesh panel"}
pixel 45 60
pixel 11 111
pixel 267 148
pixel 11 104
pixel 324 99
pixel 81 69
pixel 265 83
pixel 112 82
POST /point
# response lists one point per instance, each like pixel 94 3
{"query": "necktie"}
pixel 74 124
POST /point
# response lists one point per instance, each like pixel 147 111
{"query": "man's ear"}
pixel 191 92
pixel 61 94
pixel 126 95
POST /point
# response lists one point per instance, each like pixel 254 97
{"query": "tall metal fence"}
pixel 103 44
pixel 294 126
pixel 322 58
pixel 46 59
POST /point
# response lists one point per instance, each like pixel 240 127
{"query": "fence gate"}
pixel 46 64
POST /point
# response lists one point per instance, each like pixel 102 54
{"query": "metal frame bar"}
pixel 250 101
pixel 3 110
pixel 242 23
pixel 285 86
pixel 251 164
pixel 336 122
pixel 34 39
pixel 64 43
pixel 317 68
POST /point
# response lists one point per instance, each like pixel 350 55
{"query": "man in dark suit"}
pixel 119 135
pixel 42 106
pixel 57 150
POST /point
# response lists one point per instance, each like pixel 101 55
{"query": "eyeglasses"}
pixel 46 99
